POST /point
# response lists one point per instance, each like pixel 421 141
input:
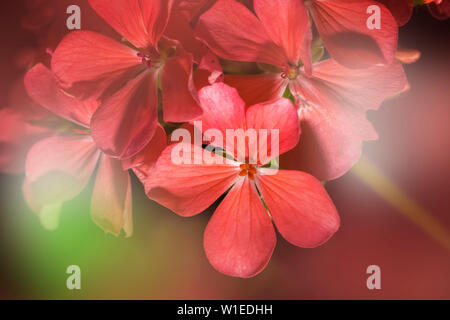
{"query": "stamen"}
pixel 290 72
pixel 248 170
pixel 146 59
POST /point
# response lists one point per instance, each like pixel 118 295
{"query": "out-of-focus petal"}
pixel 332 111
pixel 257 88
pixel 342 24
pixel 287 24
pixel 279 115
pixel 300 207
pixel 48 214
pixel 408 56
pixel 58 168
pixel 178 90
pixel 43 87
pixel 111 204
pixel 440 11
pixel 400 9
pixel 189 188
pixel 125 123
pixel 142 22
pixel 17 136
pixel 240 238
pixel 233 32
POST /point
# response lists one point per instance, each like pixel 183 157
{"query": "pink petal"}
pixel 142 22
pixel 233 32
pixel 223 109
pixel 257 88
pixel 287 24
pixel 189 189
pixel 125 123
pixel 111 205
pixel 333 115
pixel 43 87
pixel 365 88
pixel 408 56
pixel 300 207
pixel 279 115
pixel 178 90
pixel 239 239
pixel 342 24
pixel 16 138
pixel 58 168
pixel 89 56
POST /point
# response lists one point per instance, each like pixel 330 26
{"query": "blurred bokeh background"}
pixel 394 207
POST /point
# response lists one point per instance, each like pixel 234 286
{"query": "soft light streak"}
pixel 400 200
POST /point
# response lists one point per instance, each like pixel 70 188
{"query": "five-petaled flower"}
pixel 59 167
pixel 240 238
pixel 332 100
pixel 126 77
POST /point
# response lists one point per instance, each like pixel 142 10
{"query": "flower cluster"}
pixel 108 104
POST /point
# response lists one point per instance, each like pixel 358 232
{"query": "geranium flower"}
pixel 332 101
pixel 128 75
pixel 240 238
pixel 280 33
pixel 59 167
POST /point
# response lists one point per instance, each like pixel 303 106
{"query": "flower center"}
pixel 248 169
pixel 146 59
pixel 290 72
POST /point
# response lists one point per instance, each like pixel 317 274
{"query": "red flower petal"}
pixel 179 28
pixel 440 11
pixel 400 9
pixel 43 88
pixel 342 25
pixel 240 238
pixel 89 56
pixel 256 88
pixel 300 207
pixel 278 115
pixel 178 90
pixel 58 168
pixel 142 22
pixel 125 123
pixel 333 121
pixel 188 189
pixel 144 161
pixel 111 205
pixel 233 32
pixel 209 71
pixel 222 107
pixel 287 24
